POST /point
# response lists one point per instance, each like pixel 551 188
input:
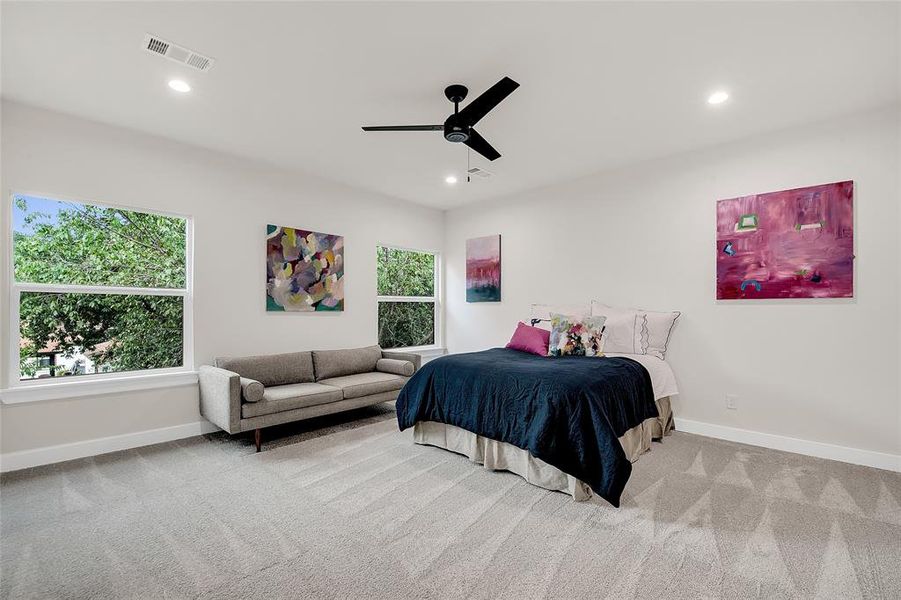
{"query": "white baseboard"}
pixel 13 461
pixel 869 458
pixel 23 459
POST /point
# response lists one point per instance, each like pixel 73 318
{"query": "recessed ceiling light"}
pixel 451 179
pixel 180 86
pixel 718 97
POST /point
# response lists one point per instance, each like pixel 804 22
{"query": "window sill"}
pixel 424 351
pixel 64 390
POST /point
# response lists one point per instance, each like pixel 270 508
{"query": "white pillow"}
pixel 622 329
pixel 646 331
pixel 544 312
pixel 659 326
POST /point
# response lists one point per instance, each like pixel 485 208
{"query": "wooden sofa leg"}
pixel 257 438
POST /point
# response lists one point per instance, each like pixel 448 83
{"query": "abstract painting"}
pixel 791 244
pixel 483 269
pixel 304 270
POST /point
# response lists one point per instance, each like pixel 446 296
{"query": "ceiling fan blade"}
pixel 481 145
pixel 478 108
pixel 405 128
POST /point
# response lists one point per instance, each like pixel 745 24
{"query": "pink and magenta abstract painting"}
pixel 791 244
pixel 483 269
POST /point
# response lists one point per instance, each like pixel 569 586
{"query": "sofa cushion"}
pixel 365 384
pixel 335 363
pixel 272 369
pixel 395 366
pixel 252 390
pixel 288 397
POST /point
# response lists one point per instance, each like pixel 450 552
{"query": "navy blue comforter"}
pixel 567 411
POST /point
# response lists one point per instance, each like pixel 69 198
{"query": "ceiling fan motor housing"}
pixel 455 130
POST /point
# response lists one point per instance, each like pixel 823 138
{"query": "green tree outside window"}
pixel 67 243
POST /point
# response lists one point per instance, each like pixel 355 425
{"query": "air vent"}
pixel 198 62
pixel 477 172
pixel 176 53
pixel 158 46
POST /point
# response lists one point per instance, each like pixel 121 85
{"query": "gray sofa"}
pixel 252 392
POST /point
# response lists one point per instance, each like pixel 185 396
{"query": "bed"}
pixel 572 424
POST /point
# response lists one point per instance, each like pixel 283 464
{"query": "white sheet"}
pixel 662 378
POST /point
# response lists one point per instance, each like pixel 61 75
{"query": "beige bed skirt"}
pixel 501 456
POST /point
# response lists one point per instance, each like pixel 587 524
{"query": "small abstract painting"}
pixel 483 269
pixel 791 244
pixel 304 270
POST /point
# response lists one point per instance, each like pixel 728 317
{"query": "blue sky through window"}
pixel 51 208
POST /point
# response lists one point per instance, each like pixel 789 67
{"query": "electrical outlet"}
pixel 732 401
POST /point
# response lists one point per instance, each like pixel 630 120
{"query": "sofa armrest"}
pixel 408 356
pixel 220 397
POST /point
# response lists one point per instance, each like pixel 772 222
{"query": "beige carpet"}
pixel 356 510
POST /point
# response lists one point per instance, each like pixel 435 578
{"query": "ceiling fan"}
pixel 458 127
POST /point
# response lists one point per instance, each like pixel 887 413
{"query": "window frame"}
pixel 56 387
pixel 435 299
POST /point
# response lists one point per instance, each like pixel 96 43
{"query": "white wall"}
pixel 824 371
pixel 231 200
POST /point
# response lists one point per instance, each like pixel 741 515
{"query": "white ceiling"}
pixel 602 84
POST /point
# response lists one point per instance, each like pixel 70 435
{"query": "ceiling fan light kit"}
pixel 458 127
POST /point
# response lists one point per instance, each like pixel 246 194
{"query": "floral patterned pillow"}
pixel 574 336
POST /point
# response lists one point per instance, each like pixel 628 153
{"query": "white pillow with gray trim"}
pixel 636 331
pixel 622 329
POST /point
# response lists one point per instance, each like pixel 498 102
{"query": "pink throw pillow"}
pixel 530 339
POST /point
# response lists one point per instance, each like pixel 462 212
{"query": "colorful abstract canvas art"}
pixel 304 270
pixel 483 269
pixel 791 244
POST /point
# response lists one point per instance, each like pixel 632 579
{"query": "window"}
pixel 407 297
pixel 97 289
